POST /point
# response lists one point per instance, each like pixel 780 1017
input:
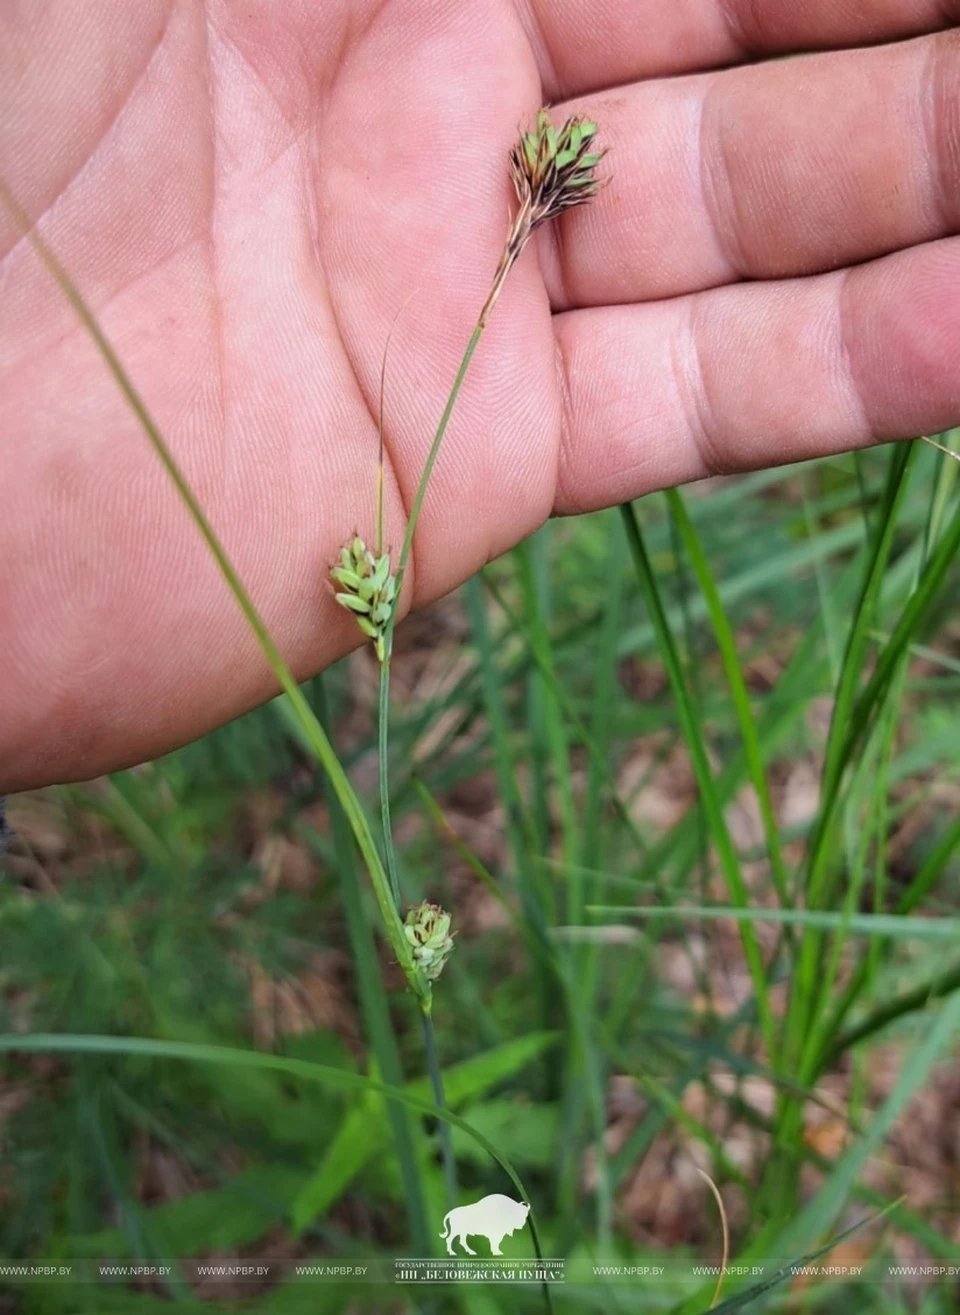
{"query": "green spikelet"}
pixel 427 928
pixel 553 169
pixel 366 587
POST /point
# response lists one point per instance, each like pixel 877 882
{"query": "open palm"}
pixel 248 194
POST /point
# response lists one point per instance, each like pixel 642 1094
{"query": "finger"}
pixel 781 169
pixel 582 46
pixel 737 378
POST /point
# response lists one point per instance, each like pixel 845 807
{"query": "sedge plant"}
pixel 851 1018
pixel 552 170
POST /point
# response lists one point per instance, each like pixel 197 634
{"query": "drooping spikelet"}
pixel 367 589
pixel 427 928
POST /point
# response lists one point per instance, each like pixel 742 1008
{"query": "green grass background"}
pixel 725 639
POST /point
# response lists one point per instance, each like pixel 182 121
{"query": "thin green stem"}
pixel 313 731
pixel 384 708
pixel 934 988
pixel 383 730
pixel 380 444
pixel 507 262
pixel 373 1001
pixel 430 463
pixel 433 1062
pixel 436 1083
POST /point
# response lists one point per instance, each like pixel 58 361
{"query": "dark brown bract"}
pixel 553 170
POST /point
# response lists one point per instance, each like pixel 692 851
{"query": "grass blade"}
pixel 818 1212
pixel 700 762
pixel 313 731
pixel 374 1005
pixel 856 924
pixel 230 1056
pixel 738 686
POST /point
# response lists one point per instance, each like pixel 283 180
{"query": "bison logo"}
pixel 493 1217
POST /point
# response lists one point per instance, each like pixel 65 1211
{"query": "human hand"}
pixel 246 195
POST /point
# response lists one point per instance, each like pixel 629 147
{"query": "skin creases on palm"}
pixel 246 197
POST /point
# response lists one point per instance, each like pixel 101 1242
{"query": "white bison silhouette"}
pixel 493 1217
